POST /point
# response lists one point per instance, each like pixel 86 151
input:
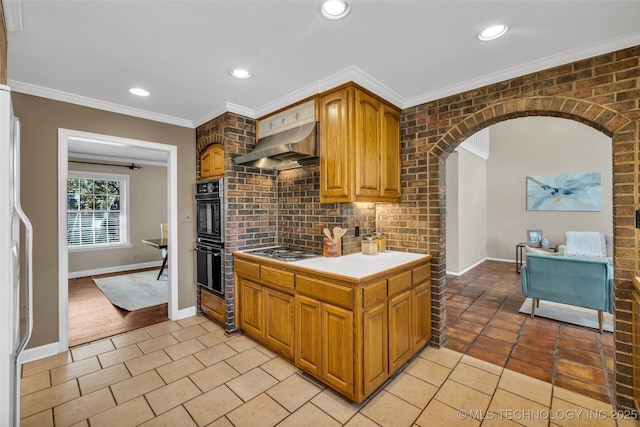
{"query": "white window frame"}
pixel 124 211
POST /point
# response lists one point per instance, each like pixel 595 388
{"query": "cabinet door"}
pixel 307 348
pixel 335 146
pixel 390 154
pixel 251 308
pixel 337 348
pixel 367 146
pixel 421 307
pixel 278 326
pixel 205 164
pixel 400 340
pixel 212 161
pixel 375 343
pixel 217 160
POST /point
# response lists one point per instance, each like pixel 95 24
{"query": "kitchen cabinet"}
pixel 212 162
pixel 279 321
pixel 375 341
pixel 359 147
pixel 329 324
pixel 211 304
pixel 265 312
pixel 350 332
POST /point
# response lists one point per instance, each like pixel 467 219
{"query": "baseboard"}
pixel 186 312
pixel 454 273
pixel 114 269
pixel 512 261
pixel 36 353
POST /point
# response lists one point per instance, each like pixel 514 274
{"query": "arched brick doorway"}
pixel 624 134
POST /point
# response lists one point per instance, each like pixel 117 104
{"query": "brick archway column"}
pixel 433 131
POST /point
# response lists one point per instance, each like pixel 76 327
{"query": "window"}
pixel 97 210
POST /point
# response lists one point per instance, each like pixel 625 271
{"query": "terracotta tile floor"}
pixel 483 321
pixel 189 373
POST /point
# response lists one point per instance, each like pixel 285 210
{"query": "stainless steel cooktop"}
pixel 284 253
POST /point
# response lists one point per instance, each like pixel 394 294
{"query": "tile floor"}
pixel 483 321
pixel 189 373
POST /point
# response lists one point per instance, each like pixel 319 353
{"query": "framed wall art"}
pixel 564 192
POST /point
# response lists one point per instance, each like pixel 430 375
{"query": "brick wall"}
pixel 250 195
pixel 301 216
pixel 602 92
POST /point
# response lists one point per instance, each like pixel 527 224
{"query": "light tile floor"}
pixel 189 373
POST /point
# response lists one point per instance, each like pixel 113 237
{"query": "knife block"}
pixel 332 247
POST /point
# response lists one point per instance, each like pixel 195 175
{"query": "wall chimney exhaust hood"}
pixel 288 149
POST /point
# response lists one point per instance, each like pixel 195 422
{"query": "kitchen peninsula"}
pixel 350 321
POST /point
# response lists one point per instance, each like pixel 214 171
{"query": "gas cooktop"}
pixel 284 253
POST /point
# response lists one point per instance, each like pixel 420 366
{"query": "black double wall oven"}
pixel 210 234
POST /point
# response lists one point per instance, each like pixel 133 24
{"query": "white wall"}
pixel 542 146
pixel 466 211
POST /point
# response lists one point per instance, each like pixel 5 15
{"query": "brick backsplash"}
pixel 301 216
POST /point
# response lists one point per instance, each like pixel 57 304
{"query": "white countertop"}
pixel 359 265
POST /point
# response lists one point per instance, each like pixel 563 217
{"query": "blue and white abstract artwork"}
pixel 564 192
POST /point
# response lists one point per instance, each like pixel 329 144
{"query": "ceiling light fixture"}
pixel 493 32
pixel 138 91
pixel 240 73
pixel 334 9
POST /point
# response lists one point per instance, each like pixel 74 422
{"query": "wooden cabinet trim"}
pixel 277 278
pixel 331 293
pixel 400 282
pixel 374 294
pixel 246 269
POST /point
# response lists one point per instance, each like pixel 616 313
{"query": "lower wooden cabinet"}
pixel 251 308
pixel 350 335
pixel 336 344
pixel 267 315
pixel 375 339
pixel 421 314
pixel 400 330
pixel 278 325
pixel 212 305
pixel 324 337
pixel 308 319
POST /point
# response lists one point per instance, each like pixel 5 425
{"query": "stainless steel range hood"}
pixel 288 149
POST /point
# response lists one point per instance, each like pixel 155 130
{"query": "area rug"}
pixel 134 291
pixel 569 314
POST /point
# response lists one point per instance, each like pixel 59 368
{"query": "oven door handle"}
pixel 207 251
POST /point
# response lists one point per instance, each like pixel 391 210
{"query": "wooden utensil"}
pixel 342 233
pixel 327 233
pixel 336 232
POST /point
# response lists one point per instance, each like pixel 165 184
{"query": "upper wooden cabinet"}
pixel 359 147
pixel 212 162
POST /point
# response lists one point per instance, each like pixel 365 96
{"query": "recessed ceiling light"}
pixel 334 9
pixel 240 73
pixel 139 91
pixel 493 32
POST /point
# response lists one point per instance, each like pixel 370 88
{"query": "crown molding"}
pixel 57 95
pixel 528 68
pixel 349 74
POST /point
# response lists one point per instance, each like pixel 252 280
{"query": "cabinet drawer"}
pixel 278 278
pixel 374 294
pixel 341 296
pixel 421 274
pixel 212 305
pixel 247 269
pixel 399 283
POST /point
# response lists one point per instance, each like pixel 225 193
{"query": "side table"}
pixel 520 252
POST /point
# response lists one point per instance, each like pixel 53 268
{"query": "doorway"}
pixel 96 144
